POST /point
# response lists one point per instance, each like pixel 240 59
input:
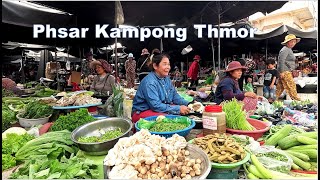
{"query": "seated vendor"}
pixel 228 87
pixel 156 95
pixel 104 81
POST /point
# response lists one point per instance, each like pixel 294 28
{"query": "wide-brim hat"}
pixel 130 55
pixel 144 51
pixel 197 57
pixel 105 65
pixel 290 37
pixel 234 65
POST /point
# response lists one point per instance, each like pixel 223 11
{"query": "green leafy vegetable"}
pixel 36 109
pixel 8 117
pixel 10 146
pixel 72 120
pixel 236 116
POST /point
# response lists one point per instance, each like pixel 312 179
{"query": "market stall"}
pixel 221 144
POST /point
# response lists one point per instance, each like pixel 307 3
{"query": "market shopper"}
pixel 270 80
pixel 142 64
pixel 130 67
pixel 156 95
pixel 104 81
pixel 228 87
pixel 286 64
pixel 194 72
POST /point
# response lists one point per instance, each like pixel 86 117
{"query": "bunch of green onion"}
pixel 236 116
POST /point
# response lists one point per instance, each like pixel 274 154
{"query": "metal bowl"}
pixel 92 129
pixel 195 153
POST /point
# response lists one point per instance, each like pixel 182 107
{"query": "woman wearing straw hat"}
pixel 104 81
pixel 286 63
pixel 130 66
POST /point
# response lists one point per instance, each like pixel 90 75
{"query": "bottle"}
pixel 213 120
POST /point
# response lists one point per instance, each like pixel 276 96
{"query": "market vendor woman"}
pixel 228 87
pixel 156 95
pixel 104 81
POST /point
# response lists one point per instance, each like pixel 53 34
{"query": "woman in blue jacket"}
pixel 156 95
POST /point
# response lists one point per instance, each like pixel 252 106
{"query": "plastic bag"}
pixel 248 87
pixel 182 120
pixel 273 159
pixel 144 124
pixel 264 107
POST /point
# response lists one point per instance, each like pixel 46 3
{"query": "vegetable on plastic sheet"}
pixel 273 158
pixel 264 107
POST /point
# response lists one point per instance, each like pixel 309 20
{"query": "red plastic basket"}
pixel 261 128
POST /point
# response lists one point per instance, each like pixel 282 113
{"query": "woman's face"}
pixel 163 68
pixel 99 69
pixel 236 74
pixel 292 43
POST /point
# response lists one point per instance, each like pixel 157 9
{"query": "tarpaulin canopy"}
pixel 27 14
pixel 284 29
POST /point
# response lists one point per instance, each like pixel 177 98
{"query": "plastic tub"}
pixel 224 173
pixel 261 128
pixel 183 132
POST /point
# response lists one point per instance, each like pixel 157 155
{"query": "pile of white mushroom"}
pixel 146 156
pixel 170 165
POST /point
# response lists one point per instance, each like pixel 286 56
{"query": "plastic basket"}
pixel 183 132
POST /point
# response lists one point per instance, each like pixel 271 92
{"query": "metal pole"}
pixel 266 50
pixel 219 56
pixel 212 48
pixel 161 45
pixel 116 41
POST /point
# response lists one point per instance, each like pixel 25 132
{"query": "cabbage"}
pixel 13 130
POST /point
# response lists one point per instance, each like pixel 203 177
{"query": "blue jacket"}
pixel 227 89
pixel 157 94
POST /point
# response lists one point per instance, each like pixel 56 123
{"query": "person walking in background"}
pixel 130 66
pixel 194 72
pixel 142 64
pixel 270 80
pixel 286 64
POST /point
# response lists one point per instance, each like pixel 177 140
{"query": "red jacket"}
pixel 193 70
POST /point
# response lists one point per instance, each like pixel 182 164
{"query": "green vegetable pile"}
pixel 275 129
pixel 66 168
pixel 44 92
pixel 111 134
pixel 7 93
pixel 167 127
pixel 72 120
pixel 36 110
pixel 277 104
pixel 236 116
pixel 10 146
pixel 302 103
pixel 51 156
pixel 163 124
pixel 8 117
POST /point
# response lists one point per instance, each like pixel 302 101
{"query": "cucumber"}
pixel 292 141
pixel 307 140
pixel 299 155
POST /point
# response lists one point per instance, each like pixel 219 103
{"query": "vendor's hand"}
pixel 250 94
pixel 184 110
pixel 271 86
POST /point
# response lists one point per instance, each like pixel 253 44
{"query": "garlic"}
pixel 188 176
pixel 192 173
pixel 187 153
pixel 198 172
pixel 198 161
